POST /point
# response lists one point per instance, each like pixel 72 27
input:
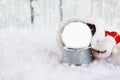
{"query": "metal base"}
pixel 77 56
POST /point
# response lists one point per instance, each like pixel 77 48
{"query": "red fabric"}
pixel 114 34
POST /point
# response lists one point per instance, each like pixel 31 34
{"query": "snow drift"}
pixel 31 54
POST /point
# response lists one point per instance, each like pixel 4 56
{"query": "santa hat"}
pixel 113 34
pixel 103 40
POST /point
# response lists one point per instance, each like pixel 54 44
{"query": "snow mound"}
pixel 24 55
pixel 76 35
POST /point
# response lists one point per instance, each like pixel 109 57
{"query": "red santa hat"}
pixel 114 34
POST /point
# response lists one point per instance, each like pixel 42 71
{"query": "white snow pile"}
pixel 31 54
pixel 76 35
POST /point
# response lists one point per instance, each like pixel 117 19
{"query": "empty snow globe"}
pixel 74 38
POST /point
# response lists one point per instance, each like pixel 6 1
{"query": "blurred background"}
pixel 50 12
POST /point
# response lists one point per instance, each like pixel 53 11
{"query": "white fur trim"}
pixel 107 43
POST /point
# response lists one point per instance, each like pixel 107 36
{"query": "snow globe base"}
pixel 77 57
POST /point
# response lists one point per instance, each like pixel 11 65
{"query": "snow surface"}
pixel 24 55
pixel 76 35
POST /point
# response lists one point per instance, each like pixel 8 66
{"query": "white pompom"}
pixel 76 35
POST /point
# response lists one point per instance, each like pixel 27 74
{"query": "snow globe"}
pixel 74 38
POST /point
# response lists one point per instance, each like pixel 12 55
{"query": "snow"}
pixel 76 35
pixel 24 55
pixel 31 53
